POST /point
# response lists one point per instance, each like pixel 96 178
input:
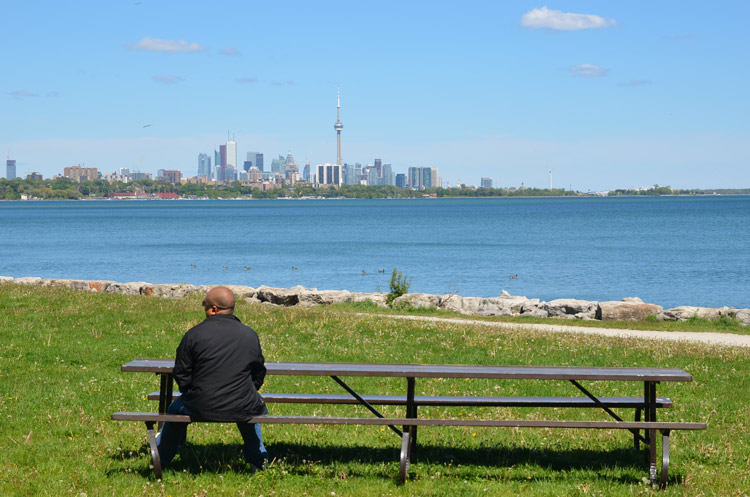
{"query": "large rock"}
pixel 571 309
pixel 131 288
pixel 6 279
pixel 377 298
pixel 239 291
pixel 172 291
pixel 743 316
pixel 418 300
pixel 278 296
pixel 324 297
pixel 626 311
pixel 85 285
pixel 28 280
pixel 685 312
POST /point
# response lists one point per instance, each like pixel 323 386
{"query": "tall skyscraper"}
pixel 255 159
pixel 204 166
pixel 329 174
pixel 386 177
pixel 338 127
pixel 379 167
pixel 486 183
pixel 10 169
pixel 232 156
pixel 223 164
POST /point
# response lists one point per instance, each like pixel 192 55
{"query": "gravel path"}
pixel 723 339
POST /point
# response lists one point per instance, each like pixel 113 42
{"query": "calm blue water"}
pixel 669 250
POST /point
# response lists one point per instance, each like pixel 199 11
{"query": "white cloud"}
pixel 168 79
pixel 589 70
pixel 563 21
pixel 230 52
pixel 246 80
pixel 22 94
pixel 148 44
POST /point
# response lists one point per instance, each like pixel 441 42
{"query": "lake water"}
pixel 667 250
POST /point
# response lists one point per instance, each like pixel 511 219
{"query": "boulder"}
pixel 278 296
pixel 571 309
pixel 418 300
pixel 626 311
pixel 377 298
pixel 324 297
pixel 131 288
pixel 685 312
pixel 6 279
pixel 28 280
pixel 172 291
pixel 89 286
pixel 743 316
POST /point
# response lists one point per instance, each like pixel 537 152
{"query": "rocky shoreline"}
pixel 628 309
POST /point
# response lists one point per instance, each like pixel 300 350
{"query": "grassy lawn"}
pixel 61 351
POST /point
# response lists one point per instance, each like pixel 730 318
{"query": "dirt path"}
pixel 723 339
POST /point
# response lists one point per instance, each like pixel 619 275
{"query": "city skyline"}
pixel 604 95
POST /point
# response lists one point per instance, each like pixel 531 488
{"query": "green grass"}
pixel 61 351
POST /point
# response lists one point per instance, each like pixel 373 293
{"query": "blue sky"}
pixel 604 94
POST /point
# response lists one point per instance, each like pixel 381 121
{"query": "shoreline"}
pixel 627 309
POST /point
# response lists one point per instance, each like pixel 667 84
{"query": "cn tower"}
pixel 338 127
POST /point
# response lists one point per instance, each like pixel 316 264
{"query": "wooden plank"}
pixel 509 423
pixel 449 401
pixel 443 371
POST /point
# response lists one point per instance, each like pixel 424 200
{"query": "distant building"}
pixel 401 180
pixel 223 163
pixel 172 176
pixel 204 166
pixel 78 173
pixel 329 174
pixel 10 169
pixel 387 177
pixel 255 159
pixel 278 165
pixel 232 158
pixel 486 183
pixel 136 175
pixel 379 167
pixel 423 177
pixel 306 172
pixel 34 175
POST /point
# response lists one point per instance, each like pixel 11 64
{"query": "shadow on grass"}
pixel 305 459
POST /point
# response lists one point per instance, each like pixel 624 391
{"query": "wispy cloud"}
pixel 633 83
pixel 282 83
pixel 168 79
pixel 230 52
pixel 589 70
pixel 563 21
pixel 23 94
pixel 686 37
pixel 148 44
pixel 245 81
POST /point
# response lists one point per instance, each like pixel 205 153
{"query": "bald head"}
pixel 221 299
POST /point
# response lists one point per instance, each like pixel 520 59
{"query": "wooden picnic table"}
pixel 649 402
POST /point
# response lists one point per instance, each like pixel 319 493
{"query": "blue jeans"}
pixel 173 436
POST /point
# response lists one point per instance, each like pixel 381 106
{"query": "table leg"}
pixel 411 410
pixel 155 459
pixel 650 412
pixel 165 394
pixel 405 460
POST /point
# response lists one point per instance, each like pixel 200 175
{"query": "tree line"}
pixel 66 189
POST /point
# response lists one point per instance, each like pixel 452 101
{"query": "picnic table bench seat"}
pixel 151 418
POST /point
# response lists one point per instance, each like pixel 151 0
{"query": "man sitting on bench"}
pixel 219 368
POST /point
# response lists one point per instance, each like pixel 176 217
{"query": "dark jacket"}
pixel 219 369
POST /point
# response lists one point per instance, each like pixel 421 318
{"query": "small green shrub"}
pixel 399 285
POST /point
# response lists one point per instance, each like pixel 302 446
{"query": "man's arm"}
pixel 183 366
pixel 258 369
